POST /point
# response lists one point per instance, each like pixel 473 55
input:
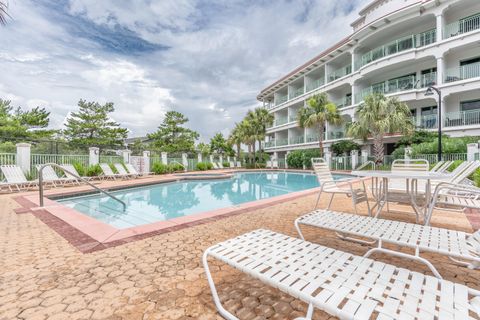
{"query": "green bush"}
pixel 308 155
pixel 344 146
pixel 209 165
pixel 295 159
pixel 93 171
pixel 202 166
pixel 159 168
pixel 449 145
pixel 175 167
pixel 399 153
pixel 476 177
pixel 226 164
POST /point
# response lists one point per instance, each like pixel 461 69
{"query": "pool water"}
pixel 166 201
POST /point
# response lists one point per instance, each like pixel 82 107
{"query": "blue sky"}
pixel 206 59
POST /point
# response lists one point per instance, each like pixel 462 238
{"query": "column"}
pixel 439 22
pixel 364 155
pixel 286 156
pixel 185 161
pixel 199 157
pixel 221 160
pixel 440 70
pixel 354 90
pixel 211 158
pixel 164 158
pixel 93 156
pixel 23 156
pixel 328 157
pixel 146 162
pixel 126 155
pixel 472 150
pixel 354 155
pixel 408 153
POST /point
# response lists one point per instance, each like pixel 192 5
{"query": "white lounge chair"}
pixel 220 165
pixel 50 177
pixel 108 172
pixel 71 168
pixel 330 185
pixel 272 164
pixel 215 165
pixel 232 164
pixel 122 171
pixel 342 284
pixel 441 166
pixel 131 169
pixel 452 243
pixel 15 177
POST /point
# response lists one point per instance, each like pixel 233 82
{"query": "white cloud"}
pixel 220 55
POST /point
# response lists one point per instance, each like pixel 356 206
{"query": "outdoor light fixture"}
pixel 430 92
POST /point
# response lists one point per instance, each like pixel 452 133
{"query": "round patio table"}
pixel 381 192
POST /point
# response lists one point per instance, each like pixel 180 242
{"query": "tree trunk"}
pixel 320 139
pixel 260 151
pixel 253 149
pixel 378 148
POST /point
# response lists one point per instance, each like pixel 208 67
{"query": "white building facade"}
pixel 398 48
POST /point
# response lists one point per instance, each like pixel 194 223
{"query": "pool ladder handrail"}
pixel 40 184
pixel 362 166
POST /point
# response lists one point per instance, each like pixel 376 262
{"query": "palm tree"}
pixel 378 116
pixel 248 136
pixel 317 113
pixel 235 138
pixel 259 119
pixel 3 12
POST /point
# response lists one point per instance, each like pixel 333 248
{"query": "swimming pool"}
pixel 165 201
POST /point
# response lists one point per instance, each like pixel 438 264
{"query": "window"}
pixel 470 105
pixel 429 110
pixel 413 112
pixel 470 61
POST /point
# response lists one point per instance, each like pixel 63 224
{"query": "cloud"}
pixel 206 59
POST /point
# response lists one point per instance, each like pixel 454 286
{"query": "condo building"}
pixel 397 48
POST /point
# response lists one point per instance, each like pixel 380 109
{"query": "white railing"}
pixel 339 73
pixel 390 86
pixel 343 102
pixel 467 71
pixel 281 99
pixel 433 158
pixel 462 118
pixel 39 159
pixel 462 26
pixel 428 79
pixel 297 140
pixel 7 158
pixel 296 92
pixel 315 84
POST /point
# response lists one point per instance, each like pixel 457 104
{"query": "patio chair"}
pixel 441 166
pixel 272 164
pixel 344 285
pixel 71 168
pixel 232 164
pixel 215 166
pixel 131 169
pixel 332 186
pixel 454 244
pixel 16 178
pixel 122 171
pixel 220 165
pixel 239 164
pixel 50 177
pixel 108 172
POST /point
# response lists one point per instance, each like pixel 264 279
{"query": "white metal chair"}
pixel 51 177
pixel 71 168
pixel 342 284
pixel 15 177
pixel 232 164
pixel 239 164
pixel 108 172
pixel 215 166
pixel 122 171
pixel 331 186
pixel 452 243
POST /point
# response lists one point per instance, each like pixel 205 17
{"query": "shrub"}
pixel 226 164
pixel 202 166
pixel 159 168
pixel 344 146
pixel 93 171
pixel 449 145
pixel 81 169
pixel 399 153
pixel 308 155
pixel 295 159
pixel 175 167
pixel 209 165
pixel 476 177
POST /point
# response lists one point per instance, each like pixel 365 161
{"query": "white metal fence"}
pixel 38 159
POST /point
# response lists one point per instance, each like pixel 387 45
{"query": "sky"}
pixel 206 59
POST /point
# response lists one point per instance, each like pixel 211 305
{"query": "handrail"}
pixel 365 164
pixel 40 184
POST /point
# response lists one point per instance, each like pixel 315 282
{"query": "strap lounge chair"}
pixel 232 164
pixel 220 165
pixel 329 185
pixel 108 172
pixel 131 169
pixel 70 168
pixel 441 166
pixel 15 177
pixel 51 177
pixel 122 171
pixel 215 166
pixel 454 244
pixel 272 164
pixel 239 164
pixel 342 284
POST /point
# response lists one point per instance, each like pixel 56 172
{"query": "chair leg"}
pixel 330 202
pixel 318 200
pixel 297 226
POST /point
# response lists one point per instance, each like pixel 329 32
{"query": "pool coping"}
pixel 88 234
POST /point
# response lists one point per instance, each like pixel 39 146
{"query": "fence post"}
pixel 199 157
pixel 472 149
pixel 146 162
pixel 364 155
pixel 164 158
pixel 23 157
pixel 211 158
pixel 328 157
pixel 185 161
pixel 286 156
pixel 354 155
pixel 408 153
pixel 126 155
pixel 221 160
pixel 93 156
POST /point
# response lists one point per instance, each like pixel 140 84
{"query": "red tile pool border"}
pixel 89 235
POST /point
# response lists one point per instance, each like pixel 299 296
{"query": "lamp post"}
pixel 429 92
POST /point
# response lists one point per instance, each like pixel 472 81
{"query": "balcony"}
pixel 315 84
pixel 332 135
pixel 343 102
pixel 339 73
pixel 462 26
pixel 278 122
pixel 461 118
pixel 399 45
pixel 292 118
pixel 281 142
pixel 296 93
pixel 296 140
pixel 425 122
pixel 428 79
pixel 269 144
pixel 281 99
pixel 467 71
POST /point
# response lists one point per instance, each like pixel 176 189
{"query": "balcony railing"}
pixel 343 102
pixel 339 73
pixel 281 142
pixel 292 118
pixel 399 45
pixel 281 99
pixel 278 122
pixel 296 92
pixel 428 79
pixel 462 118
pixel 270 144
pixel 462 26
pixel 426 121
pixel 387 87
pixel 296 140
pixel 467 71
pixel 332 135
pixel 315 84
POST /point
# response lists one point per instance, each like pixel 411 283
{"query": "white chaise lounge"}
pixel 15 178
pixel 342 284
pixel 108 172
pixel 452 243
pixel 50 177
pixel 122 171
